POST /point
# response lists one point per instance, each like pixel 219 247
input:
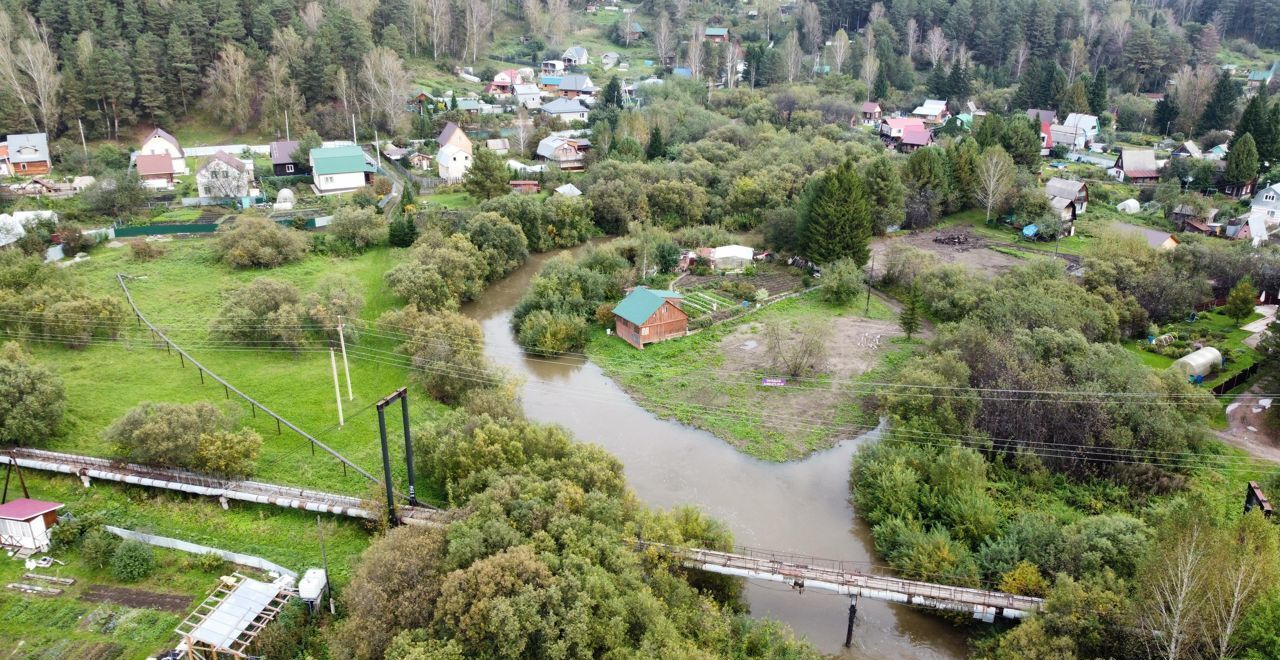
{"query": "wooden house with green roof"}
pixel 648 315
pixel 340 169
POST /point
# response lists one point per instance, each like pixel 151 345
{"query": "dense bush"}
pixel 552 333
pixel 259 243
pixel 98 547
pixel 446 350
pixel 357 229
pixel 502 243
pixel 335 300
pixel 549 223
pixel 132 561
pixel 195 436
pixel 440 273
pixel 265 314
pixel 842 281
pixel 32 399
pixel 143 250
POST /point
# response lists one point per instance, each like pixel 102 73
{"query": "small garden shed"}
pixel 25 524
pixel 1200 363
pixel 649 315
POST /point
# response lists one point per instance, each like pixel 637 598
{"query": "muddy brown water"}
pixel 801 507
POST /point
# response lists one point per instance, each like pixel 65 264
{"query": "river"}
pixel 800 507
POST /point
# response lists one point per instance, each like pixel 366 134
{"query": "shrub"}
pixel 98 548
pixel 336 299
pixel 357 229
pixel 264 314
pixel 192 436
pixel 259 243
pixel 32 399
pixel 441 272
pixel 145 250
pixel 841 282
pixel 73 239
pixel 402 232
pixel 228 453
pixel 446 348
pixel 549 333
pixel 604 314
pixel 132 561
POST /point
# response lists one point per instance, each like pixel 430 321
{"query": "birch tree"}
pixel 768 9
pixel 14 80
pixel 995 178
pixel 1077 59
pixel 386 86
pixel 475 18
pixel 839 50
pixel 230 88
pixel 523 130
pixel 693 54
pixel 37 61
pixel 792 56
pixel 311 15
pixel 1243 565
pixel 281 101
pixel 870 62
pixel 1172 598
pixel 663 38
pixel 911 37
pixel 535 17
pixel 557 19
pixel 440 22
pixel 935 45
pixel 811 22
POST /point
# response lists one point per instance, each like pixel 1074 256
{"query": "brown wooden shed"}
pixel 649 315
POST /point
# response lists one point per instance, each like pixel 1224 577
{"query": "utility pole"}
pixel 286 124
pixel 353 128
pixel 83 144
pixel 324 560
pixel 377 148
pixel 866 309
pixel 342 341
pixel 337 391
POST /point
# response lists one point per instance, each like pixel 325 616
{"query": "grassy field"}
pixel 65 626
pixel 181 293
pixel 1239 356
pixel 685 379
pixel 453 200
pixel 975 220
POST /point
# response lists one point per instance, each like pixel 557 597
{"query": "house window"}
pixel 644 332
pixel 328 179
pixel 1269 197
pixel 288 168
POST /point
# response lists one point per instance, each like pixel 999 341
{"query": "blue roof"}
pixel 551 80
pixel 641 303
pixel 682 72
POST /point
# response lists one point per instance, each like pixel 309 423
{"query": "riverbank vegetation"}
pixel 1098 497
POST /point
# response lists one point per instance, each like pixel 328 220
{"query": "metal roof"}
pixel 26 509
pixel 282 151
pixel 28 148
pixel 641 303
pixel 339 160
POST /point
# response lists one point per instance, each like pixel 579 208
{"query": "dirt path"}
pixel 1246 426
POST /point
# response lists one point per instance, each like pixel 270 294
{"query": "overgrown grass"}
pixel 454 200
pixel 61 626
pixel 975 220
pixel 181 293
pixel 683 379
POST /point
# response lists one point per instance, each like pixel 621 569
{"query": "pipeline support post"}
pixel 386 466
pixel 853 614
pixel 403 395
pixel 408 446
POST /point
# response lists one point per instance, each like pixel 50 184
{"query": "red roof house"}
pixel 25 524
pixel 914 137
pixel 155 170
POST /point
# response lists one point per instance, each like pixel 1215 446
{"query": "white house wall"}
pixel 334 182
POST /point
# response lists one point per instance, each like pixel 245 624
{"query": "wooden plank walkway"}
pixel 89 468
pixel 836 578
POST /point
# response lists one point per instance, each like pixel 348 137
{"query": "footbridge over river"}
pixel 841 578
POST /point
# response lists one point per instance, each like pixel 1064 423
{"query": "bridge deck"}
pixel 198 484
pixel 839 579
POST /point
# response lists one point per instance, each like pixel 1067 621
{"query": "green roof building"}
pixel 649 315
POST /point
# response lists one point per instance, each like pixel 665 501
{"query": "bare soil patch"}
pixel 952 247
pixel 1247 428
pixel 138 598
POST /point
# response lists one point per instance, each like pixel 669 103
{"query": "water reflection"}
pixel 801 507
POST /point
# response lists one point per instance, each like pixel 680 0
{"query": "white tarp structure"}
pixel 1128 206
pixel 13 226
pixel 732 257
pixel 227 622
pixel 1199 363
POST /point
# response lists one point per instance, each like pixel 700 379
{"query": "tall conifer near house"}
pixel 836 219
pixel 1242 161
pixel 1222 105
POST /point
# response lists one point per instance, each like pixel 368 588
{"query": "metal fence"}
pixel 160 230
pixel 1236 380
pixel 196 549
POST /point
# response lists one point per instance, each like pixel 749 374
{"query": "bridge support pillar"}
pixel 222 499
pixel 853 614
pixel 84 477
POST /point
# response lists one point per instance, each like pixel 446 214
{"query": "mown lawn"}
pixel 64 626
pixel 686 379
pixel 454 200
pixel 181 293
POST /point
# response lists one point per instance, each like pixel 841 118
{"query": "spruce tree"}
pixel 1222 105
pixel 880 89
pixel 1075 99
pixel 487 177
pixel 959 86
pixel 962 156
pixel 1098 91
pixel 1253 117
pixel 657 148
pixel 402 232
pixel 230 24
pixel 392 39
pixel 990 131
pixel 1241 300
pixel 613 93
pixel 836 217
pixel 937 83
pixel 1242 161
pixel 1165 114
pixel 909 317
pixel 885 194
pixel 184 81
pixel 149 60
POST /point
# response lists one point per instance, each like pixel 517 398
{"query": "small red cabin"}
pixel 525 187
pixel 648 315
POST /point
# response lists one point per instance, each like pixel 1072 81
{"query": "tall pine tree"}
pixel 1165 114
pixel 835 220
pixel 885 194
pixel 1098 91
pixel 149 61
pixel 1221 108
pixel 1242 161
